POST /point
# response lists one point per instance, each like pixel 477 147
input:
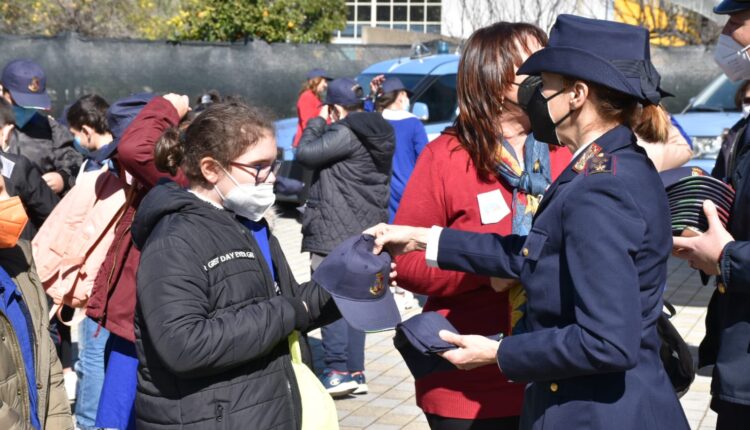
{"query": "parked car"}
pixel 432 80
pixel 706 117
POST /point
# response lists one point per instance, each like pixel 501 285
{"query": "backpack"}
pixel 674 353
pixel 72 243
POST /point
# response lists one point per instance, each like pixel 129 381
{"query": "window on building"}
pixel 414 15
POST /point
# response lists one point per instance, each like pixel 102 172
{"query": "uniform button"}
pixel 3 338
pixel 554 387
pixel 19 392
pixel 722 289
pixel 218 419
pixel 38 385
pixel 525 252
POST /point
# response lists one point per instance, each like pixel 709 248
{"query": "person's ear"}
pixel 211 170
pixel 579 94
pixel 87 131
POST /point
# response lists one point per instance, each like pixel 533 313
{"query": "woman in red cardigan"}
pixel 309 101
pixel 485 174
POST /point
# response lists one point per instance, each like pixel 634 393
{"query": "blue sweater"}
pixel 411 138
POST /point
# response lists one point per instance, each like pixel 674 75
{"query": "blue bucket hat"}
pixel 344 92
pixel 607 53
pixel 727 7
pixel 27 84
pixel 358 281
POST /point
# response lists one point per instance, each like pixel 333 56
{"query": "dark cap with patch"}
pixel 358 281
pixel 27 84
pixel 687 188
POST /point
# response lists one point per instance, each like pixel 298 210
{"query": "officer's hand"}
pixel 180 103
pixel 375 83
pixel 473 351
pixel 324 112
pixel 503 284
pixel 398 239
pixel 55 181
pixel 704 250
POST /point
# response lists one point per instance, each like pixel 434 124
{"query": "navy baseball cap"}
pixel 727 7
pixel 344 92
pixel 394 84
pixel 317 73
pixel 27 84
pixel 358 281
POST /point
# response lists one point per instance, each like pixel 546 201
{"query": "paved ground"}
pixel 390 403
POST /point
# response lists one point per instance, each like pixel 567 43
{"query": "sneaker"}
pixel 338 384
pixel 359 378
pixel 70 380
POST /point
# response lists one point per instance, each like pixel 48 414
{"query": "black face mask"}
pixel 531 100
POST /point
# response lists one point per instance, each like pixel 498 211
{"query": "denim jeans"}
pixel 90 370
pixel 343 345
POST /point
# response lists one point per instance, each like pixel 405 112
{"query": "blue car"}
pixel 707 117
pixel 431 79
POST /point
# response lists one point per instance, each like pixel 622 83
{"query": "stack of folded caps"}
pixel 687 188
pixel 358 281
pixel 418 342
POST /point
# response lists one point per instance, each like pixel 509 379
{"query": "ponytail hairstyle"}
pixel 223 131
pixel 649 121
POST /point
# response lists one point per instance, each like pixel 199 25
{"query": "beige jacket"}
pixel 53 407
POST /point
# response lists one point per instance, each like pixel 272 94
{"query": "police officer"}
pixel 594 264
pixel 726 254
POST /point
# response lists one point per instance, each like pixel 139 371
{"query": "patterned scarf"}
pixel 529 183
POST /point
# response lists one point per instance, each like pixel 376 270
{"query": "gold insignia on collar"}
pixel 592 150
pixel 379 286
pixel 600 164
pixel 34 85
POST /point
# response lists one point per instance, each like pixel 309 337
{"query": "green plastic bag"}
pixel 318 408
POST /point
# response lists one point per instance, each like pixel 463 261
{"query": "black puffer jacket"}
pixel 352 161
pixel 211 331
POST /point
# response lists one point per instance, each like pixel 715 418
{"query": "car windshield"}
pixel 439 95
pixel 718 96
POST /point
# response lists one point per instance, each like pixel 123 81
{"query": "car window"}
pixel 440 98
pixel 718 96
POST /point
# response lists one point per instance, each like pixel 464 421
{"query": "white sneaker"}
pixel 71 382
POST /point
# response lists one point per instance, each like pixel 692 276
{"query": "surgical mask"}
pixel 537 108
pixel 407 105
pixel 80 148
pixel 248 200
pixel 13 220
pixel 23 115
pixel 745 110
pixel 732 58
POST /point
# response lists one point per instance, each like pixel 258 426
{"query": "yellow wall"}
pixel 647 14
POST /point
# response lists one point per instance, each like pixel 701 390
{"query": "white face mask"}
pixel 248 200
pixel 745 110
pixel 732 58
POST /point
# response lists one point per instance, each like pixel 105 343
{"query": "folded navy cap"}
pixel 358 281
pixel 671 176
pixel 418 341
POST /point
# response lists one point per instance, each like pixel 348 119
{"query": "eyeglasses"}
pixel 261 173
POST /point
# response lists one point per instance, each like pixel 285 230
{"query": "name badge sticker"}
pixel 492 207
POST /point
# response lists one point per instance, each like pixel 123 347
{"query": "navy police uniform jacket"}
pixel 727 341
pixel 594 266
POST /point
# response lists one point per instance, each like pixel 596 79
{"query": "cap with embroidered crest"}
pixel 358 281
pixel 727 7
pixel 27 84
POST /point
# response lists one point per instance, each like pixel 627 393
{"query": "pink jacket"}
pixel 71 245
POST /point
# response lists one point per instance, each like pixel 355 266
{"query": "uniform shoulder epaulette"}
pixel 601 163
